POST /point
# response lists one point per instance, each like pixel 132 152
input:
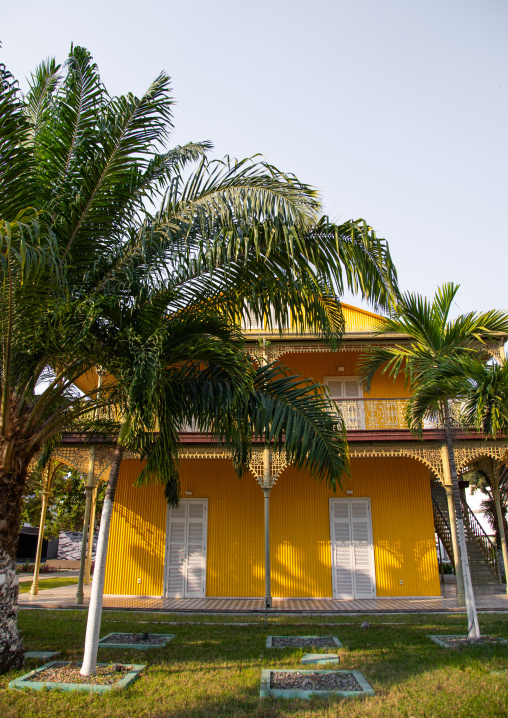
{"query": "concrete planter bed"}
pixel 303 642
pixel 109 676
pixel 461 641
pixel 290 683
pixel 138 641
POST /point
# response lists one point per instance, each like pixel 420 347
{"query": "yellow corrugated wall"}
pixel 359 320
pixel 321 364
pixel 137 536
pixel 402 526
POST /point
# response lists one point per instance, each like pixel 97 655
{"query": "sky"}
pixel 396 111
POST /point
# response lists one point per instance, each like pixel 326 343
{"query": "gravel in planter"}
pixel 464 642
pixel 62 672
pixel 303 642
pixel 291 683
pixel 66 676
pixel 135 640
pixel 307 681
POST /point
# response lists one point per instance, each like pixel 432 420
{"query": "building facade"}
pixel 373 537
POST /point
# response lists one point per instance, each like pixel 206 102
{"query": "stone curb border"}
pixel 269 640
pixel 103 643
pixel 21 682
pixel 320 658
pixel 266 691
pixel 41 655
pixel 441 639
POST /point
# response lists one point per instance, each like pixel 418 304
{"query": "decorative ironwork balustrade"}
pixel 372 414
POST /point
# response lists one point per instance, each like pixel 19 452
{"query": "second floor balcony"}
pixel 364 414
pixel 384 413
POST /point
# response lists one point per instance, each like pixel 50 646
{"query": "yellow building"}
pixel 374 537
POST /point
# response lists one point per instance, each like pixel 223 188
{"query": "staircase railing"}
pixel 443 529
pixel 476 529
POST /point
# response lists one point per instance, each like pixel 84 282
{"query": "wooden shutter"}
pixel 342 558
pixel 196 550
pixel 352 389
pixel 353 574
pixel 175 551
pixel 185 570
pixel 363 552
pixel 335 387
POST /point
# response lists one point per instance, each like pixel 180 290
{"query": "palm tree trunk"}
pixel 91 533
pixel 472 618
pixel 11 645
pixel 502 534
pixel 455 538
pixel 496 491
pixel 93 625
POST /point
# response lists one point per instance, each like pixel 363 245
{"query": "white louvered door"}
pixel 353 574
pixel 342 555
pixel 363 549
pixel 185 566
pixel 348 394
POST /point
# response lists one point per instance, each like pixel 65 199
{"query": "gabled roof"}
pixel 360 320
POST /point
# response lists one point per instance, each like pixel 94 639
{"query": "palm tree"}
pixel 434 339
pixel 190 366
pixel 483 389
pixel 78 169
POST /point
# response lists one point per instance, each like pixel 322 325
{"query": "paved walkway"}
pixel 488 598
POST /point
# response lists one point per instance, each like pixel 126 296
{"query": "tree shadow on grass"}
pixel 205 664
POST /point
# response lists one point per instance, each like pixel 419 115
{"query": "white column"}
pixel 34 589
pixel 267 487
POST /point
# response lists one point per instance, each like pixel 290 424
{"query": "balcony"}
pixel 379 414
pixel 371 415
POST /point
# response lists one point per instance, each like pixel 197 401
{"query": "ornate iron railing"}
pixel 371 414
pixel 442 529
pixel 384 413
pixel 474 527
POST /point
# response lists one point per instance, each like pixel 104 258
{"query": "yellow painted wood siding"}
pixel 137 536
pixel 321 364
pixel 360 320
pixel 402 525
pixel 356 320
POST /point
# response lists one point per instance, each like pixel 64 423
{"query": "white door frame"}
pixel 166 545
pixel 371 548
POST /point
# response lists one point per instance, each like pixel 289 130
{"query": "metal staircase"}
pixel 482 554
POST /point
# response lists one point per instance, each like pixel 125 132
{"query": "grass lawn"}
pixel 211 669
pixel 47 583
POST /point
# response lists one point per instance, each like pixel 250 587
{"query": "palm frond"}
pixel 14 155
pixel 295 415
pixel 441 359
